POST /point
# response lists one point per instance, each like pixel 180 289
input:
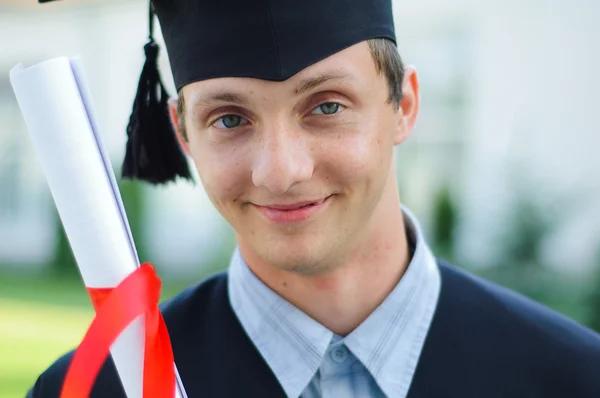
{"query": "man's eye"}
pixel 228 122
pixel 328 108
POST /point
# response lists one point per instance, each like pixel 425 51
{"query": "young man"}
pixel 290 111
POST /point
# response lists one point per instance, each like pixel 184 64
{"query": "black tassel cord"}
pixel 152 153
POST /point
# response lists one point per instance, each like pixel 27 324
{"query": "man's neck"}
pixel 343 298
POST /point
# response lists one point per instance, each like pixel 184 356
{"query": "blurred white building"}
pixel 509 95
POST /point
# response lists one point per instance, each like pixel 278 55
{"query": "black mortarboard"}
pixel 266 39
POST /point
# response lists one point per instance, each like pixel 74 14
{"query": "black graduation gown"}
pixel 484 342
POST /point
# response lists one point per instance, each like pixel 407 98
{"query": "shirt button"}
pixel 339 354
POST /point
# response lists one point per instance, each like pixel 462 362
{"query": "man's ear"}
pixel 175 122
pixel 409 105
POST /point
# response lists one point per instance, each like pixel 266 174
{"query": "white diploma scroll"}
pixel 54 99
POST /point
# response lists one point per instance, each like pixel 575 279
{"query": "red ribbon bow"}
pixel 138 294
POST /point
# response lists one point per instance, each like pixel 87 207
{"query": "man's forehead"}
pixel 342 67
pixel 214 87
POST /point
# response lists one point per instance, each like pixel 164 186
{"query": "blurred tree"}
pixel 444 225
pixel 63 263
pixel 530 225
pixel 594 299
pixel 519 265
pixel 132 193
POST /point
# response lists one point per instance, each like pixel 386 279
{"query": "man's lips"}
pixel 290 213
pixel 293 206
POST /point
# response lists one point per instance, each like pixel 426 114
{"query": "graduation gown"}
pixel 484 341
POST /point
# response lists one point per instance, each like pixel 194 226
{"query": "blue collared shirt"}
pixel 377 359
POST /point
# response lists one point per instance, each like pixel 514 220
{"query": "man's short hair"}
pixel 387 61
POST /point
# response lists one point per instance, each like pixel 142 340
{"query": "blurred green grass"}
pixel 41 318
pixel 32 336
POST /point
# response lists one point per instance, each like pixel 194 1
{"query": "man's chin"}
pixel 304 253
pixel 304 261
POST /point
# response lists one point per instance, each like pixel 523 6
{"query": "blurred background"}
pixel 502 169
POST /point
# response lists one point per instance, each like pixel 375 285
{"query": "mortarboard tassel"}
pixel 152 153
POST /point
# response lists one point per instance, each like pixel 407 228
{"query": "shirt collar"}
pixel 388 343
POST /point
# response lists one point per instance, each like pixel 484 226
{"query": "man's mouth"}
pixel 294 206
pixel 291 213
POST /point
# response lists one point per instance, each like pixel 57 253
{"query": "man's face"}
pixel 299 168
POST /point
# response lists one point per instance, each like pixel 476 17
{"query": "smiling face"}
pixel 301 169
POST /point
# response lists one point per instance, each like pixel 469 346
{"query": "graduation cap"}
pixel 265 39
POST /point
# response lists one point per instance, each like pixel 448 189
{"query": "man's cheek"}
pixel 225 185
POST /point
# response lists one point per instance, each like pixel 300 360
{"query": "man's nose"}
pixel 284 158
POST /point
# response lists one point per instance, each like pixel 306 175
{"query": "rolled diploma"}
pixel 55 102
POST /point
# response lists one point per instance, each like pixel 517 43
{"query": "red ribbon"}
pixel 138 294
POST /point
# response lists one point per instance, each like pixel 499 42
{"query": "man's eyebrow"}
pixel 312 82
pixel 219 96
